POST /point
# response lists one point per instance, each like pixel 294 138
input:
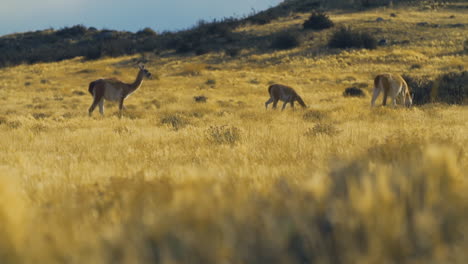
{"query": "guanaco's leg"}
pixel 395 93
pixel 96 101
pixel 275 102
pixel 268 102
pixel 98 96
pixel 121 106
pixel 385 95
pixel 284 105
pixel 101 106
pixel 375 95
pixel 91 108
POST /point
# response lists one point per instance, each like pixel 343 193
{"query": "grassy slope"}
pixel 381 183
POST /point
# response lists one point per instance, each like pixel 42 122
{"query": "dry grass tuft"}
pixel 326 129
pixel 193 69
pixel 314 115
pixel 223 134
pixel 176 121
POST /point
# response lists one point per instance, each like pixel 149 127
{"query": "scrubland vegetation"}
pixel 197 171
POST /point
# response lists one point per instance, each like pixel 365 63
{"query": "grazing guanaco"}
pixel 393 84
pixel 114 90
pixel 284 93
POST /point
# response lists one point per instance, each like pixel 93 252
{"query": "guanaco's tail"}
pixel 270 87
pixel 91 87
pixel 274 91
pixel 377 80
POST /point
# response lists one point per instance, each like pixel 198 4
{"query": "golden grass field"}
pixel 226 181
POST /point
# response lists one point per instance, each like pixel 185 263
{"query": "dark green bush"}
pixel 420 88
pixel 219 28
pixel 70 32
pixel 232 52
pixel 201 51
pixel 93 53
pixel 185 48
pixel 147 32
pixel 347 38
pixel 353 92
pixel 263 17
pixel 200 99
pixel 118 47
pixel 318 21
pixel 452 88
pixel 285 41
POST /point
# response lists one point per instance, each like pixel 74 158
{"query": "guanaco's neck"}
pixel 137 83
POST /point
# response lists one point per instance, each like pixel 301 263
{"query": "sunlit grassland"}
pixel 226 181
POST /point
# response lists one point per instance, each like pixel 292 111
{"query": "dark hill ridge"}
pixel 56 45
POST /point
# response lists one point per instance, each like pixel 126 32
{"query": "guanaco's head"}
pixel 144 71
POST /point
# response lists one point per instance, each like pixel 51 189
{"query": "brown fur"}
pixel 389 84
pixel 97 90
pixel 116 90
pixel 284 93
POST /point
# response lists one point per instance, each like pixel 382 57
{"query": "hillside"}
pixel 226 181
pixel 52 45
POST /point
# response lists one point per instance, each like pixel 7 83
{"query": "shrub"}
pixel 193 69
pixel 14 124
pixel 124 130
pixel 175 120
pixel 78 93
pixel 211 82
pixel 219 28
pixel 200 99
pixel 38 116
pixel 147 32
pixel 305 6
pixel 353 92
pixel 118 47
pixel 314 115
pixel 263 17
pixel 185 48
pixel 232 52
pixel 70 32
pixel 318 21
pixel 201 51
pixel 3 120
pixel 224 134
pixel 286 41
pixel 347 38
pixel 452 88
pixel 322 129
pixel 93 53
pixel 153 103
pixel 420 88
pixel 373 3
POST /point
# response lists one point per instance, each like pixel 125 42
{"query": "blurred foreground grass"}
pixel 224 181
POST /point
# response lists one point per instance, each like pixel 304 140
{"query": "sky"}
pixel 131 15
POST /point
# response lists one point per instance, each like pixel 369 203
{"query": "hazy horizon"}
pixel 18 16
